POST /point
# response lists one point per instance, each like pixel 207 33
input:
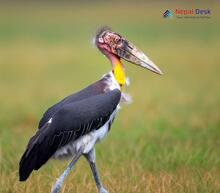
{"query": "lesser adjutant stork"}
pixel 73 126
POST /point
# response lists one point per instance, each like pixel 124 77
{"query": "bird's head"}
pixel 115 47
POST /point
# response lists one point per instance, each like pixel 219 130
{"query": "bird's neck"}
pixel 117 67
pixel 119 73
pixel 118 70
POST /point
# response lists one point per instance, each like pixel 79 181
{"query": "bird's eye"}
pixel 101 40
pixel 117 39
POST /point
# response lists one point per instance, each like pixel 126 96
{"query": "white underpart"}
pixel 126 98
pixel 127 81
pixel 111 82
pixel 86 142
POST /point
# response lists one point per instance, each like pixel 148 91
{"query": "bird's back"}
pixel 91 90
pixel 67 125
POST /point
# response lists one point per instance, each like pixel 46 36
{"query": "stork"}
pixel 73 126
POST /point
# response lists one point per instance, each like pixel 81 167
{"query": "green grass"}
pixel 166 141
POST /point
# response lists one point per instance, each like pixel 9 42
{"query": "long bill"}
pixel 129 52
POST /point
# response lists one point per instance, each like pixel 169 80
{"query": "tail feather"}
pixel 27 163
pixel 29 160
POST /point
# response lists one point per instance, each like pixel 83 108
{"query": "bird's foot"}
pixel 103 190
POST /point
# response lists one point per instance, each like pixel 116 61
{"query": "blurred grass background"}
pixel 166 141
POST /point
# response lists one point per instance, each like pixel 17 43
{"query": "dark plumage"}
pixel 92 90
pixel 67 125
pixel 74 125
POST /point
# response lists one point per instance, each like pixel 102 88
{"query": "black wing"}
pixel 92 90
pixel 68 124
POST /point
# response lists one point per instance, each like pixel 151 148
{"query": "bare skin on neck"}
pixel 117 68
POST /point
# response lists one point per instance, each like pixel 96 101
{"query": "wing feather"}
pixel 67 125
pixel 92 90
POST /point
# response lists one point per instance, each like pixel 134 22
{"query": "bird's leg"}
pixel 91 159
pixel 57 186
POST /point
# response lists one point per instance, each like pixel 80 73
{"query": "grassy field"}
pixel 166 141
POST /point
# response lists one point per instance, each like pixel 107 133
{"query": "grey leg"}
pixel 91 159
pixel 57 186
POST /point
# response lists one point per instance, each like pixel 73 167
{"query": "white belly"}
pixel 86 142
